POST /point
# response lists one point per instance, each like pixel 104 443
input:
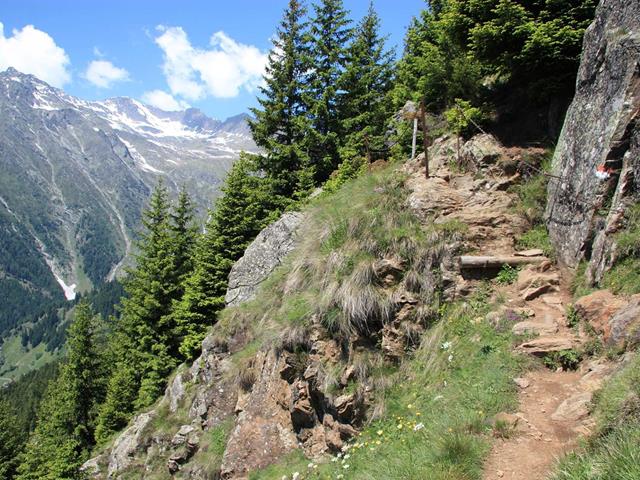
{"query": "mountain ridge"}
pixel 77 174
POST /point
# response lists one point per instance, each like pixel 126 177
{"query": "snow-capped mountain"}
pixel 74 176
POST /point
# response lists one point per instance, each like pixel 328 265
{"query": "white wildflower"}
pixel 446 346
pixel 418 426
pixel 295 476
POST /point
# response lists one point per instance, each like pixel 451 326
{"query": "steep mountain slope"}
pixel 75 176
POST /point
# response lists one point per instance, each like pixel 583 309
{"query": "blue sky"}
pixel 202 53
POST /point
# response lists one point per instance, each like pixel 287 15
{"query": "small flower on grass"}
pixel 295 475
pixel 445 346
pixel 419 426
pixel 379 432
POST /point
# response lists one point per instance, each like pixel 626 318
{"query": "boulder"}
pixel 573 408
pixel 544 345
pixel 546 327
pixel 128 443
pixel 262 257
pixel 482 150
pixel 534 281
pixel 598 152
pixel 597 308
pixel 624 326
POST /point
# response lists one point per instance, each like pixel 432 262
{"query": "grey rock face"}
pixel 262 257
pixel 127 444
pixel 600 130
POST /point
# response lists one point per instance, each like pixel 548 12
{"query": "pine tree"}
pixel 330 34
pixel 280 124
pixel 143 334
pixel 246 207
pixel 64 429
pixel 367 81
pixel 184 234
pixel 10 441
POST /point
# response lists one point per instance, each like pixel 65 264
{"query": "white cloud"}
pixel 220 71
pixel 33 51
pixel 104 74
pixel 163 101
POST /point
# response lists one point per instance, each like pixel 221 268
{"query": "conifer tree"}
pixel 142 337
pixel 64 430
pixel 330 34
pixel 367 81
pixel 246 207
pixel 280 124
pixel 184 234
pixel 10 441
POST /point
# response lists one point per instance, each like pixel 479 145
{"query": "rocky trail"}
pixel 553 402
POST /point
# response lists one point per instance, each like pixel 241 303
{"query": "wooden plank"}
pixel 471 261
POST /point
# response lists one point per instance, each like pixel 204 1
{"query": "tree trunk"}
pixel 471 261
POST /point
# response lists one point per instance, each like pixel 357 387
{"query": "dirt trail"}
pixel 553 404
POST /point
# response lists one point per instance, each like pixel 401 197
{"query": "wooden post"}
pixel 425 139
pixel 415 134
pixel 367 149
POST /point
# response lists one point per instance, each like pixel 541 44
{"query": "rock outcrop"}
pixel 597 160
pixel 261 258
pixel 614 319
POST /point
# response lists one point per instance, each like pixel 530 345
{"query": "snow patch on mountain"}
pixel 69 290
pixel 140 160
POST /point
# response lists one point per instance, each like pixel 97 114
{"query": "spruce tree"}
pixel 10 441
pixel 330 34
pixel 184 234
pixel 280 124
pixel 64 431
pixel 367 81
pixel 142 338
pixel 246 207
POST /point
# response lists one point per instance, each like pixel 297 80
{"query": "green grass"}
pixel 439 408
pixel 624 276
pixel 212 446
pixel 507 275
pixel 331 277
pixel 532 197
pixel 536 237
pixel 16 360
pixel 613 451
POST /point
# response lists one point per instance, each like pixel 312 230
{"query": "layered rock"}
pixel 597 160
